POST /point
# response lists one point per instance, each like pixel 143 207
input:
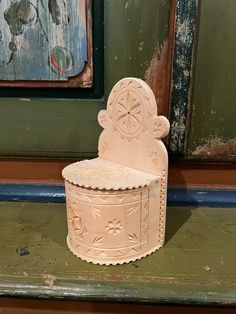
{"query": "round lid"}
pixel 106 175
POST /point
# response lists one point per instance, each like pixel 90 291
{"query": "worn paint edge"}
pixel 53 193
pixel 57 93
pixel 185 29
pixel 151 293
pixel 176 196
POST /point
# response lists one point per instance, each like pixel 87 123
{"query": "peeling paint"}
pixel 49 280
pixel 216 146
pixel 23 251
pixel 156 75
pixel 207 268
pixel 184 31
pixel 25 99
pixel 38 41
pixel 186 12
pixel 158 66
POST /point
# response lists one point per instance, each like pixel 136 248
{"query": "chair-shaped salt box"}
pixel 116 203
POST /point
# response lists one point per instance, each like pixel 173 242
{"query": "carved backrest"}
pixel 132 130
pixel 116 214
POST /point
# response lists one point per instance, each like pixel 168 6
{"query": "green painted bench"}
pixel 196 266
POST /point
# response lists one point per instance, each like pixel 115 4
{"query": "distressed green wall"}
pixel 133 31
pixel 212 125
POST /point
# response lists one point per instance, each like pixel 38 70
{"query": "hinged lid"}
pixel 106 175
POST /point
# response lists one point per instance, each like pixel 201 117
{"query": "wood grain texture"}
pixel 83 79
pixel 180 174
pixel 202 174
pixel 195 266
pixel 42 40
pixel 16 306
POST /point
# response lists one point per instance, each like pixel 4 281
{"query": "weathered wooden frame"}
pixel 183 59
pixel 87 84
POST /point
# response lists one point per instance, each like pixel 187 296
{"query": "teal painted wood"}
pixel 42 40
pixel 185 26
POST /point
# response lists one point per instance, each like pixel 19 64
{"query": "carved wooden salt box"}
pixel 116 203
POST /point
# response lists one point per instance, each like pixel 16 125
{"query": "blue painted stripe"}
pixel 202 197
pixel 176 196
pixel 32 192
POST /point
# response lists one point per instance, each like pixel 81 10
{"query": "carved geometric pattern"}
pixel 133 237
pixel 76 193
pixel 114 226
pixel 129 112
pixel 118 253
pixel 132 210
pixel 145 217
pixel 116 203
pixel 162 207
pixel 133 251
pixel 102 253
pixel 76 223
pixel 96 212
pixel 95 251
pixel 97 241
pixel 129 105
pixel 154 158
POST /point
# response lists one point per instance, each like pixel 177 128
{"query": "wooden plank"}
pixel 16 306
pixel 180 174
pixel 212 175
pixel 196 265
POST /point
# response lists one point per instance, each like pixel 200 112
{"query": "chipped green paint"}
pixel 195 266
pixel 212 132
pixel 186 18
pixel 216 148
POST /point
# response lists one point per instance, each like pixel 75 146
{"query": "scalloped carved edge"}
pixel 107 263
pixel 162 208
pixel 95 187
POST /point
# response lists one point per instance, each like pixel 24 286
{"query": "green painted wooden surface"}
pixel 212 128
pixel 133 32
pixel 196 265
